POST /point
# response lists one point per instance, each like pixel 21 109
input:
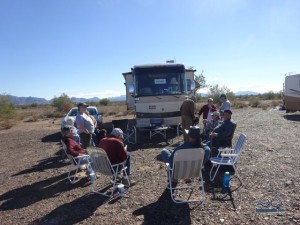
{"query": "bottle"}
pixel 92 177
pixel 226 181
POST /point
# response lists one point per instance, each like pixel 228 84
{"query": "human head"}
pixel 117 132
pixel 193 98
pixel 223 97
pixel 82 107
pixel 227 114
pixel 210 101
pixel 215 115
pixel 70 121
pixel 194 133
pixel 67 131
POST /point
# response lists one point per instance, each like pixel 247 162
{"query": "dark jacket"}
pixel 225 133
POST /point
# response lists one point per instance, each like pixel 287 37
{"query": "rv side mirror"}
pixel 131 89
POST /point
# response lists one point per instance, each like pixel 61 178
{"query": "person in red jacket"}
pixel 74 149
pixel 208 109
pixel 116 152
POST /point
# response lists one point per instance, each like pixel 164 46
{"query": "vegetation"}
pixel 104 101
pixel 63 103
pixel 8 114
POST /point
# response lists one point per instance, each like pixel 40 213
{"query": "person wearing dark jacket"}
pixel 194 141
pixel 222 134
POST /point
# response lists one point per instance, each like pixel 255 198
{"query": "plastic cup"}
pixel 121 190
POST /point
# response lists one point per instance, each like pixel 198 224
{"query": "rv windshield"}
pixel 160 80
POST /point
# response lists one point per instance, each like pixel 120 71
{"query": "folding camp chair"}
pixel 187 164
pixel 76 164
pixel 101 164
pixel 227 157
pixel 129 130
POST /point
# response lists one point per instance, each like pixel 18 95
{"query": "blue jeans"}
pixel 127 164
pixel 165 154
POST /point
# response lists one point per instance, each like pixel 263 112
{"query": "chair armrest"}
pixel 81 156
pixel 228 155
pixel 225 149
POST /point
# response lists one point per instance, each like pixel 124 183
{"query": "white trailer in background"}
pixel 156 92
pixel 291 93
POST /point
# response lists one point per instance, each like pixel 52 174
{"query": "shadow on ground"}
pixel 165 211
pixel 73 212
pixel 292 117
pixel 56 137
pixel 41 190
pixel 45 164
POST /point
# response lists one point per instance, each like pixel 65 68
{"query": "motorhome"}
pixel 291 93
pixel 156 92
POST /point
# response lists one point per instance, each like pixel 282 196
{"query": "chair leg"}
pixel 210 173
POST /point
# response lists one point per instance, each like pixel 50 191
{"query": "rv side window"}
pixel 188 84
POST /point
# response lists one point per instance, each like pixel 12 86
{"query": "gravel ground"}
pixel 35 189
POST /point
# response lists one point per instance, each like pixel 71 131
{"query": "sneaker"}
pixel 128 182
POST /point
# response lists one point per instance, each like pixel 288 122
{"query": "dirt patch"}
pixel 35 189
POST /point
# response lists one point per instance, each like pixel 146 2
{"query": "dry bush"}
pixel 275 103
pixel 264 106
pixel 112 113
pixel 239 104
pixel 32 117
pixel 7 123
pixel 254 102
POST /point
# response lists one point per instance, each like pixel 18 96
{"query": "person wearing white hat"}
pixel 116 152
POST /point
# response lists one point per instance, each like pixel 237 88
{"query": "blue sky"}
pixel 82 47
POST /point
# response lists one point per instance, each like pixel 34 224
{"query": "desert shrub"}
pixel 216 90
pixel 63 103
pixel 264 106
pixel 239 104
pixel 104 101
pixel 8 114
pixel 254 102
pixel 32 117
pixel 275 103
pixel 112 113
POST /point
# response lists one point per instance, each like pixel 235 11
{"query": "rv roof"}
pixel 157 65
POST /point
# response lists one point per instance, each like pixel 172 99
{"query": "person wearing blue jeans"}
pixel 194 141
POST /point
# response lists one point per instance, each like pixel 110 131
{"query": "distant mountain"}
pixel 34 100
pixel 96 99
pixel 77 100
pixel 27 100
pixel 246 93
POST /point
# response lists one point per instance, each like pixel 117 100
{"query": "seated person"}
pixel 209 126
pixel 116 152
pixel 70 122
pixel 100 134
pixel 73 148
pixel 194 141
pixel 222 134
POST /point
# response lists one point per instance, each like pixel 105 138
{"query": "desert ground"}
pixel 34 188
